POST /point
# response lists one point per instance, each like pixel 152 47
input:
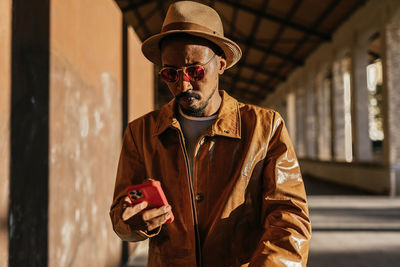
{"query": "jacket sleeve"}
pixel 285 218
pixel 130 171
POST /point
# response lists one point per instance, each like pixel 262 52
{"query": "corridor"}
pixel 350 228
pixel 73 75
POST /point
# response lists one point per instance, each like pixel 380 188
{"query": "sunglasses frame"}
pixel 183 69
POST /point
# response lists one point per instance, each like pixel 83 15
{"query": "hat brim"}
pixel 152 52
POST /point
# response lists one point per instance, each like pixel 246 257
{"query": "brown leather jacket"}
pixel 247 191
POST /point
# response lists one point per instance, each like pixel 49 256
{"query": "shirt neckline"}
pixel 196 118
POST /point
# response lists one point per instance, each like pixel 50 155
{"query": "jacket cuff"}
pixel 151 233
pixel 127 231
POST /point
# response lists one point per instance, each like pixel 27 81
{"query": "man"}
pixel 228 169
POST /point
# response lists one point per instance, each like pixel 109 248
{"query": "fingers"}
pixel 156 217
pixel 150 214
pixel 127 200
pixel 131 211
pixel 158 221
pixel 150 219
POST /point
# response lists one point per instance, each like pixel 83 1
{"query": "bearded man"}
pixel 228 169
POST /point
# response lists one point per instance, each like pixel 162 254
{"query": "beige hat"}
pixel 195 19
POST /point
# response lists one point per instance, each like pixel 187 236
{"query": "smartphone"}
pixel 151 192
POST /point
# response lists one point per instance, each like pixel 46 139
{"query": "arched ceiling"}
pixel 276 36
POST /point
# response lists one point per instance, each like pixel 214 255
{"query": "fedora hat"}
pixel 195 19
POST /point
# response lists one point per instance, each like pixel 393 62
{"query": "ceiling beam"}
pixel 249 41
pixel 233 20
pixel 234 32
pixel 245 80
pixel 227 21
pixel 277 37
pixel 148 16
pixel 316 23
pixel 260 93
pixel 263 49
pixel 142 22
pixel 259 69
pixel 350 11
pixel 271 17
pixel 161 7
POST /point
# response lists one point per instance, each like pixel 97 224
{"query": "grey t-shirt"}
pixel 193 128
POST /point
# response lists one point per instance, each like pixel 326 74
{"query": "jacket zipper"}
pixel 194 211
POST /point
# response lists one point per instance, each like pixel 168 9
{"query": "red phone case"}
pixel 151 192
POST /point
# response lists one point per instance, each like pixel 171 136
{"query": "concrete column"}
pixel 392 34
pixel 363 147
pixel 291 115
pixel 85 131
pixel 300 144
pixel 282 105
pixel 311 120
pixel 323 87
pixel 141 79
pixel 339 112
pixel 5 92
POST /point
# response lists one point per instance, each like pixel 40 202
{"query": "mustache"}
pixel 188 94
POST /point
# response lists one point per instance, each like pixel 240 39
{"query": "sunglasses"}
pixel 190 73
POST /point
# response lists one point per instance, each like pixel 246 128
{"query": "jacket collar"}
pixel 227 123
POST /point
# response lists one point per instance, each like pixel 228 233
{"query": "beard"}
pixel 192 111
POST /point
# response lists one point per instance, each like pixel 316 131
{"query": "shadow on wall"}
pixel 29 185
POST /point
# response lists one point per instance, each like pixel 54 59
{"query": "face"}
pixel 196 98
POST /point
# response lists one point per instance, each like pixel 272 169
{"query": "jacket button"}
pixel 199 197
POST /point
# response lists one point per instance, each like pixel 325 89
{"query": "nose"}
pixel 183 83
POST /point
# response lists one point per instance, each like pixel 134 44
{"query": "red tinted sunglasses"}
pixel 190 73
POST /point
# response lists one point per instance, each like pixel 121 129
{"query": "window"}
pixel 374 84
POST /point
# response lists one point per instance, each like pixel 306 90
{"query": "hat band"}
pixel 187 26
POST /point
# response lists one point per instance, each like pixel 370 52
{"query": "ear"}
pixel 222 65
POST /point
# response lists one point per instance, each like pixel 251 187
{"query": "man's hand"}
pixel 152 218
